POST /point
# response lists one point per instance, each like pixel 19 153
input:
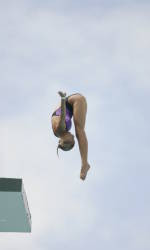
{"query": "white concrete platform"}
pixel 14 211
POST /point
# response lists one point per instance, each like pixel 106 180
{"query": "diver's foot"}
pixel 84 171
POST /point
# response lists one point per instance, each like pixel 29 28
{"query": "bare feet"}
pixel 84 171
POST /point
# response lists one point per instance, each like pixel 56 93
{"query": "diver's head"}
pixel 66 142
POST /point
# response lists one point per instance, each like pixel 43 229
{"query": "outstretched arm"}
pixel 62 125
pixel 63 113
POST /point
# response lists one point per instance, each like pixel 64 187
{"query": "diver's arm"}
pixel 62 124
pixel 63 113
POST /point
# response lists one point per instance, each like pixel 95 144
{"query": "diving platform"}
pixel 14 210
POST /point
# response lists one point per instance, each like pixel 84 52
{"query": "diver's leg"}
pixel 79 113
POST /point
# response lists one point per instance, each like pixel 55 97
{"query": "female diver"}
pixel 72 106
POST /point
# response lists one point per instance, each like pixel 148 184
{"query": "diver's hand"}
pixel 84 170
pixel 62 94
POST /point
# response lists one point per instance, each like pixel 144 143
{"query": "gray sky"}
pixel 100 49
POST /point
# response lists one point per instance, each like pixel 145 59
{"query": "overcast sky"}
pixel 100 49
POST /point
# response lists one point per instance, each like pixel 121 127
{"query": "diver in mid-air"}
pixel 74 106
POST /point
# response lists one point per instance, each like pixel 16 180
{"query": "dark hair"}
pixel 69 147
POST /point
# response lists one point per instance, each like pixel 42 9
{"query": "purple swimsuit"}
pixel 69 113
pixel 67 118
